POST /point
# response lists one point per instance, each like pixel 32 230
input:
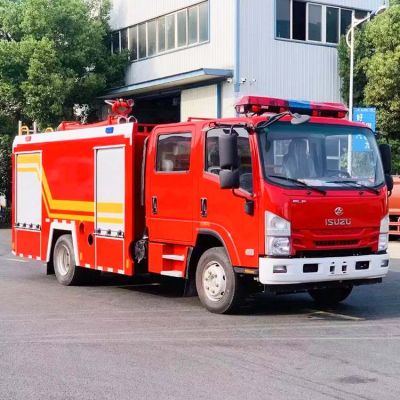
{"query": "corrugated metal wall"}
pixel 287 69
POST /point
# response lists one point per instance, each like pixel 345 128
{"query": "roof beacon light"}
pixel 261 105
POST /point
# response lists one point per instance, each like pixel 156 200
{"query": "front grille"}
pixel 331 243
pixel 334 253
pixel 347 231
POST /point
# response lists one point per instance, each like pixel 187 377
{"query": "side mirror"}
pixel 389 182
pixel 228 151
pixel 386 155
pixel 229 161
pixel 229 179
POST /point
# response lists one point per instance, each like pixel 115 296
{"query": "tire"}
pixel 330 296
pixel 67 272
pixel 217 284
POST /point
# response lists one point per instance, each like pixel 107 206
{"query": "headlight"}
pixel 276 226
pixel 384 234
pixel 278 246
pixel 277 235
pixel 383 241
pixel 384 225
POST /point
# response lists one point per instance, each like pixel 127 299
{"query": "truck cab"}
pixel 285 206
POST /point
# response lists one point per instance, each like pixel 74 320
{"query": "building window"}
pixel 133 43
pixel 124 39
pixel 283 19
pixel 299 20
pixel 151 38
pixel 314 22
pixel 115 44
pixel 309 21
pixel 193 28
pixel 345 20
pixel 142 41
pixel 332 25
pixel 173 152
pixel 170 31
pixel 161 34
pixel 203 22
pixel 180 29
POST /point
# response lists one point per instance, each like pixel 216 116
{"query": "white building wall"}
pixel 203 102
pixel 283 68
pixel 199 102
pixel 217 53
pixel 269 66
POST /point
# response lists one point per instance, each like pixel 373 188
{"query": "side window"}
pixel 212 151
pixel 245 166
pixel 173 152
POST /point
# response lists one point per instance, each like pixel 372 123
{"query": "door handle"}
pixel 203 207
pixel 154 205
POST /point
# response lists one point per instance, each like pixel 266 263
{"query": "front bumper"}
pixel 327 269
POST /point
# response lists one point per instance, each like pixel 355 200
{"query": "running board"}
pixel 174 274
pixel 173 257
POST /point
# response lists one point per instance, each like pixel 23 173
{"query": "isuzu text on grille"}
pixel 337 221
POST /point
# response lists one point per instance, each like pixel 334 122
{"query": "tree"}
pixel 376 72
pixel 362 51
pixel 383 78
pixel 5 166
pixel 54 54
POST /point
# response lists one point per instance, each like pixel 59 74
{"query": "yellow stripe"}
pixel 66 205
pixel 63 205
pixel 112 208
pixel 33 169
pixel 110 220
pixel 28 159
pixel 72 205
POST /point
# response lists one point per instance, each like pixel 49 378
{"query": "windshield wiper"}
pixel 358 185
pixel 301 183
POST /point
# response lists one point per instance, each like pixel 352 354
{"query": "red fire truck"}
pixel 394 208
pixel 287 197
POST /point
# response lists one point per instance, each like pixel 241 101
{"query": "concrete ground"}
pixel 124 339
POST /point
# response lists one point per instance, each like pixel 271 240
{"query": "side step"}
pixel 173 273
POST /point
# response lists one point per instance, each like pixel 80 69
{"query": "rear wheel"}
pixel 217 284
pixel 67 272
pixel 330 296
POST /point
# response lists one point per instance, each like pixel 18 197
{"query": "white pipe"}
pixel 351 69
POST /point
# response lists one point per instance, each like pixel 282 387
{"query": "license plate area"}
pixel 338 268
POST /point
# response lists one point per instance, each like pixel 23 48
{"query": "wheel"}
pixel 217 284
pixel 67 273
pixel 330 296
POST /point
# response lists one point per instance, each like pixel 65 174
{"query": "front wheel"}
pixel 217 284
pixel 330 296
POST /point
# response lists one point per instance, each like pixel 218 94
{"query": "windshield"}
pixel 320 155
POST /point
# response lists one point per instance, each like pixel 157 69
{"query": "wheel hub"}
pixel 214 281
pixel 63 260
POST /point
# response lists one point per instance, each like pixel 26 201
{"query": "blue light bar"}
pixel 299 105
pixel 110 129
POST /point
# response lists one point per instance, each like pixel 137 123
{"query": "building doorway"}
pixel 158 109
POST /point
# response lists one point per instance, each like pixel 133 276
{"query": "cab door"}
pixel 170 186
pixel 223 211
